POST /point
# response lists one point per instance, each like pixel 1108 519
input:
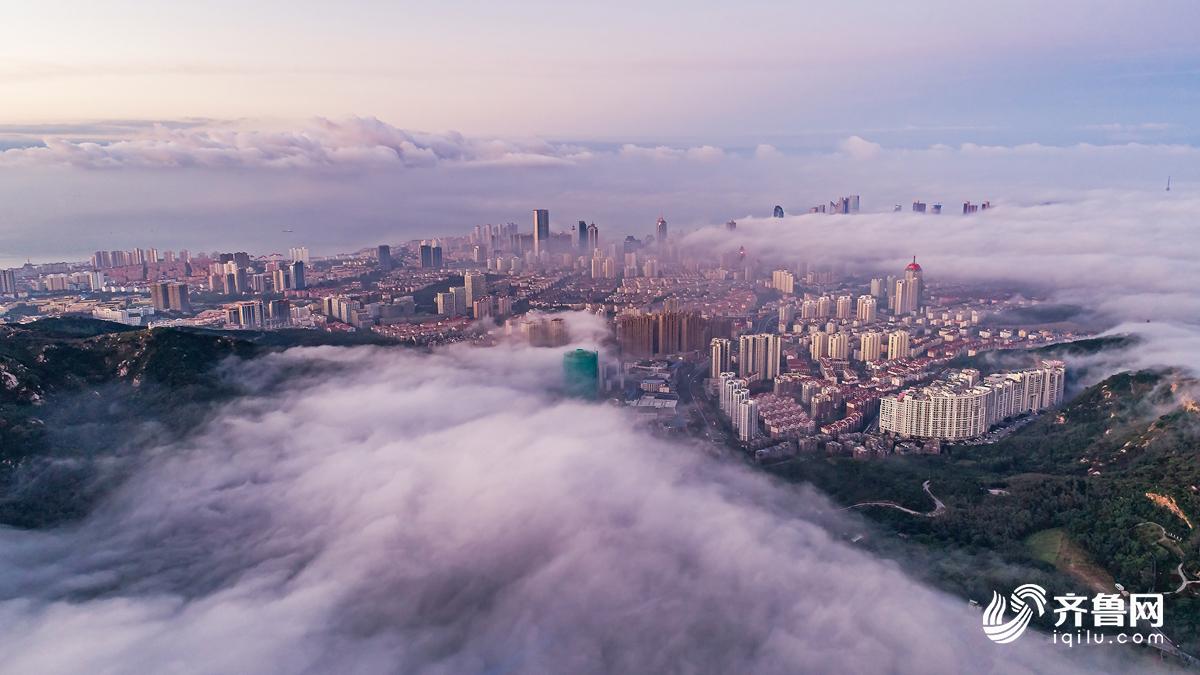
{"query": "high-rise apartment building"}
pixel 720 356
pixel 759 356
pixel 899 345
pixel 870 346
pixel 865 311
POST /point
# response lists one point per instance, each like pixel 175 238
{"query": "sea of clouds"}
pixel 447 512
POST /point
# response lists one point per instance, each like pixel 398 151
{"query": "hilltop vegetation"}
pixel 1089 473
pixel 76 395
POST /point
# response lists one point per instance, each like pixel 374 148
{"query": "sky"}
pixel 219 125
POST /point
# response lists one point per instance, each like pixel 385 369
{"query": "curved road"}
pixel 939 507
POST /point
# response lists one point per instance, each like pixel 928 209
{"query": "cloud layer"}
pixel 394 511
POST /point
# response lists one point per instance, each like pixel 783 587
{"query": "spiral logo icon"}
pixel 1025 600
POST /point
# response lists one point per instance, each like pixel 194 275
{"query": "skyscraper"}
pixel 298 275
pixel 720 351
pixel 660 230
pixel 778 211
pixel 593 237
pixel 580 238
pixel 581 372
pixel 909 292
pixel 541 232
pixel 384 255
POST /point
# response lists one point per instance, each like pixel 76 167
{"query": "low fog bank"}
pixel 1127 259
pixel 447 512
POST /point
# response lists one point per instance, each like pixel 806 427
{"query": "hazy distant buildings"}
pixel 778 213
pixel 783 281
pixel 384 256
pixel 660 230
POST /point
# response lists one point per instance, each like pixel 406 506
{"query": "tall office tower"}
pixel 870 346
pixel 297 269
pixel 759 356
pixel 159 297
pixel 878 287
pixel 778 213
pixel 731 225
pixel 783 281
pixel 845 305
pixel 660 230
pixel 581 236
pixel 384 255
pixel 747 422
pixel 818 345
pixel 426 251
pixel 854 203
pixel 242 259
pixel 475 284
pixel 824 306
pixel 918 207
pixel 720 353
pixel 581 373
pixel 839 346
pixel 593 237
pixel 865 311
pixel 177 297
pixel 914 276
pixel 899 345
pixel 541 232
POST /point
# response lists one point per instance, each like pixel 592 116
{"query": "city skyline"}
pixel 637 337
